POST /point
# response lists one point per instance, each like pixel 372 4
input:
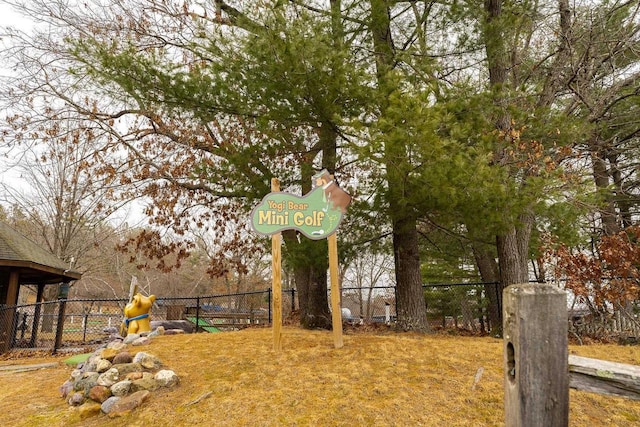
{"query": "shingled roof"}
pixel 35 264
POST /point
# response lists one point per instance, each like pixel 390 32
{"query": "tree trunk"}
pixel 309 258
pixel 48 312
pixel 490 274
pixel 513 256
pixel 513 252
pixel 513 244
pixel 507 243
pixel 411 307
pixel 623 200
pixel 312 294
pixel 310 263
pixel 513 263
pixel 608 214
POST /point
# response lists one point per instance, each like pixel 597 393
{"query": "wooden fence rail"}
pixel 604 377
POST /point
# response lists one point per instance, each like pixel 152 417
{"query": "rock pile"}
pixel 114 381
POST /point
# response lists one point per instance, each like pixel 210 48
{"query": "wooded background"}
pixel 493 141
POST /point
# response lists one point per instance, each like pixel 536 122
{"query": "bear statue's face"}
pixel 139 305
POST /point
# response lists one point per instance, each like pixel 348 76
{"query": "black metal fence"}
pixel 85 322
pixel 474 307
pixel 458 306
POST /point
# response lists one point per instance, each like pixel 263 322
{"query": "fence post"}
pixel 269 300
pixel 85 322
pixel 197 313
pixel 387 313
pixel 62 304
pixel 14 331
pixel 536 380
pixel 395 301
pixel 36 316
pixel 23 325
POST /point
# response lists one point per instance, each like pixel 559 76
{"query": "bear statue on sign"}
pixel 136 314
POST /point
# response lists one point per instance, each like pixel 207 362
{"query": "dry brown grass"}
pixel 377 379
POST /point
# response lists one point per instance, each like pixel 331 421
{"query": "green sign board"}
pixel 316 214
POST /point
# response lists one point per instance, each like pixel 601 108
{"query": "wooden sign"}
pixel 317 216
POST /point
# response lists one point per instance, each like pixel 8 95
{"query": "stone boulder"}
pixel 184 325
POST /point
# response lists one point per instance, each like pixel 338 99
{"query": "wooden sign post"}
pixel 336 311
pixel 276 281
pixel 317 216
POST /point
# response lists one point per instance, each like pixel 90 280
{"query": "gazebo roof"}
pixel 35 264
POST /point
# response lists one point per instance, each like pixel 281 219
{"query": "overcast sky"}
pixel 9 176
pixel 9 18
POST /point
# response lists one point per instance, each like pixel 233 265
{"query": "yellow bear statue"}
pixel 136 314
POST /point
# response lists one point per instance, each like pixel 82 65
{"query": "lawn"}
pixel 376 379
